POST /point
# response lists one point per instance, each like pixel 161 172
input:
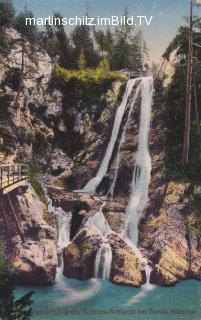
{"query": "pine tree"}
pixel 82 40
pixel 28 33
pixel 7 14
pixel 82 61
pixel 57 44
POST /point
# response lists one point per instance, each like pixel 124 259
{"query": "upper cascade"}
pixel 142 168
pixel 91 186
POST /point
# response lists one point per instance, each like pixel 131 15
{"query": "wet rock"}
pixel 79 256
pixel 115 220
pixel 126 267
pixel 170 268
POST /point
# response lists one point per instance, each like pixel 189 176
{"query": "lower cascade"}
pixel 103 262
pixel 64 225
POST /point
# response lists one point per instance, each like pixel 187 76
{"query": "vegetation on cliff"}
pixel 175 101
pixel 11 308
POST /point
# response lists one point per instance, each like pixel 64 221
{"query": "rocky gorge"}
pixel 39 136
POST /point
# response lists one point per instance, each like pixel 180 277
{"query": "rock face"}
pixel 126 268
pixel 164 237
pixel 79 258
pixel 80 255
pixel 170 268
pixel 36 262
pixel 35 258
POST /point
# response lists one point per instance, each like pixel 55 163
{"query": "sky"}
pixel 168 15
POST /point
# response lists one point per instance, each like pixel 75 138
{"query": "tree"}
pixel 105 42
pixel 28 33
pixel 100 40
pixel 175 100
pixel 57 44
pixel 7 14
pixel 11 309
pixel 82 40
pixel 82 61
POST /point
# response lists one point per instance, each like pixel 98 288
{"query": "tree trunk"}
pixel 187 123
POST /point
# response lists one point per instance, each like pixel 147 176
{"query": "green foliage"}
pixel 49 218
pixel 192 211
pixel 128 49
pixel 77 217
pixel 57 44
pixel 81 89
pixel 33 179
pixel 27 31
pixel 97 75
pixel 175 100
pixel 11 309
pixel 82 61
pixel 7 14
pixel 82 41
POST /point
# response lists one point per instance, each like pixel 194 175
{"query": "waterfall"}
pixel 142 170
pixel 64 224
pixel 122 140
pixel 103 262
pixel 99 222
pixel 93 183
pixel 103 259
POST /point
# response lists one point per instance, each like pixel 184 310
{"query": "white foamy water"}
pixel 142 170
pixel 103 262
pixel 122 140
pixel 99 222
pixel 93 183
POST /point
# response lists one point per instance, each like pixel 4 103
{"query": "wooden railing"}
pixel 12 174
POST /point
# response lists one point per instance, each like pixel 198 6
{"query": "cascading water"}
pixel 103 262
pixel 122 140
pixel 103 259
pixel 99 222
pixel 93 183
pixel 142 171
pixel 64 224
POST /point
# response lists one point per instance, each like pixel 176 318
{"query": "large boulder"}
pixel 36 262
pixel 36 223
pixel 35 258
pixel 79 256
pixel 170 268
pixel 126 267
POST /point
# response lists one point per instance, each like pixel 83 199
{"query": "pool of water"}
pixel 95 299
